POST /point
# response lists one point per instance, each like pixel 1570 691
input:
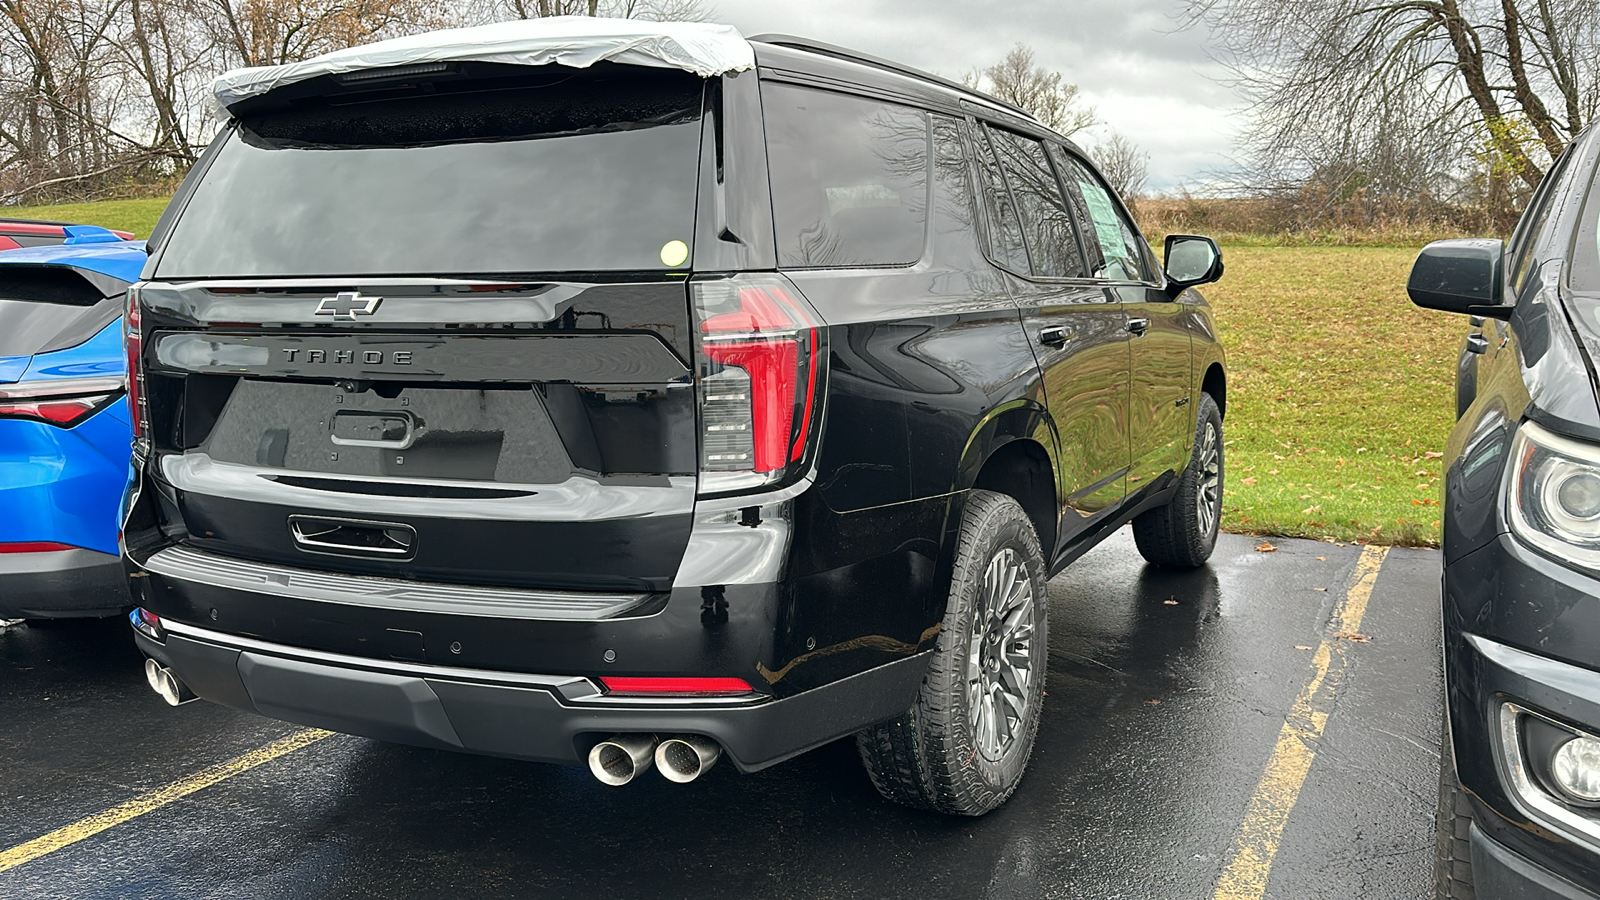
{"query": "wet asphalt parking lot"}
pixel 1267 726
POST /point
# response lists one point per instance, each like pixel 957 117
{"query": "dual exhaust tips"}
pixel 163 682
pixel 618 759
pixel 614 761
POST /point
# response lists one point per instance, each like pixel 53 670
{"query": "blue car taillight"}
pixel 63 402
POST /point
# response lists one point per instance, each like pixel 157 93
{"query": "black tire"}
pixel 1452 866
pixel 937 756
pixel 1182 534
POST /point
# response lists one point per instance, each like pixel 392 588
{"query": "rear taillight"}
pixel 758 380
pixel 133 345
pixel 59 401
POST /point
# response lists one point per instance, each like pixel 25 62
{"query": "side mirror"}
pixel 1462 276
pixel 1191 259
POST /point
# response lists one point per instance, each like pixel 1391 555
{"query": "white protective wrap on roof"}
pixel 577 41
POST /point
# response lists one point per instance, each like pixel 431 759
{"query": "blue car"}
pixel 64 427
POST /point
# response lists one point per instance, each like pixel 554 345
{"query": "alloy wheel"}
pixel 1209 502
pixel 1000 655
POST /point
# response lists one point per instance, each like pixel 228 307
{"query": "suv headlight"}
pixel 1555 495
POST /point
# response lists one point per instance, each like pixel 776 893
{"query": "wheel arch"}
pixel 1215 383
pixel 1022 469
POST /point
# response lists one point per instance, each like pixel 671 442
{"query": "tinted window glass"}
pixel 1556 190
pixel 849 178
pixel 38 304
pixel 594 172
pixel 952 209
pixel 1005 229
pixel 1046 222
pixel 1121 250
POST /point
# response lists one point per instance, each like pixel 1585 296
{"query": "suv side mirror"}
pixel 1191 259
pixel 1461 276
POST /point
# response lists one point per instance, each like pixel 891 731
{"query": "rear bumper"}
pixel 534 717
pixel 62 584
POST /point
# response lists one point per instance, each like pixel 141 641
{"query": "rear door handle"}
pixel 1477 343
pixel 1054 335
pixel 1138 326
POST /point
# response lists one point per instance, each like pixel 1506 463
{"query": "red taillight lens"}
pixel 133 345
pixel 699 687
pixel 758 379
pixel 34 547
pixel 64 401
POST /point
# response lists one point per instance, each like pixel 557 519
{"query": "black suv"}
pixel 1519 811
pixel 630 415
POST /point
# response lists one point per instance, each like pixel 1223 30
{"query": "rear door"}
pixel 1079 335
pixel 1160 410
pixel 438 334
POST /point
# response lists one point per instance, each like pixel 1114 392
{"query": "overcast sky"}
pixel 1145 78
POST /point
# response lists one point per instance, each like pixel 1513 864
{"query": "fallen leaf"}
pixel 1170 602
pixel 1153 702
pixel 1265 547
pixel 1433 454
pixel 1302 646
pixel 1354 636
pixel 1322 559
pixel 1250 480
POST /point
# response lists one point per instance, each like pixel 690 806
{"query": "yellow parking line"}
pixel 1256 841
pixel 154 800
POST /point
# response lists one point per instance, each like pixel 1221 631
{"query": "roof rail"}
pixel 803 43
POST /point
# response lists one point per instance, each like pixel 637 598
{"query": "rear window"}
pixel 560 172
pixel 849 178
pixel 41 305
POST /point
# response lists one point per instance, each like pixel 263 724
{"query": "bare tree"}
pixel 1044 94
pixel 104 96
pixel 1384 99
pixel 1124 165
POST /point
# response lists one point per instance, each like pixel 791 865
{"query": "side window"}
pixel 849 178
pixel 1531 228
pixel 1046 222
pixel 1005 229
pixel 952 176
pixel 1123 257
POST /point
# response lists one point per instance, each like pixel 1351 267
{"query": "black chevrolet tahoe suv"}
pixel 629 416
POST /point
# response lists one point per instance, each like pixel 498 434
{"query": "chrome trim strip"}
pixel 63 387
pixel 196 566
pixel 570 690
pixel 578 499
pixel 570 687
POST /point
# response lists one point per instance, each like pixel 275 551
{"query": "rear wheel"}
pixel 1182 534
pixel 962 747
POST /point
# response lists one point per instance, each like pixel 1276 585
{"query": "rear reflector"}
pixel 34 547
pixel 700 687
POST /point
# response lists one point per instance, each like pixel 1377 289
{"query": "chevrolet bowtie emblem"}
pixel 347 305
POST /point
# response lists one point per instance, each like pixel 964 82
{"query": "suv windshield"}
pixel 553 172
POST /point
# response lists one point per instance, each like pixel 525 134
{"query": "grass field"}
pixel 1341 394
pixel 137 216
pixel 1341 391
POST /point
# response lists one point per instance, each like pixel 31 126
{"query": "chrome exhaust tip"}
pixel 163 682
pixel 620 758
pixel 684 758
